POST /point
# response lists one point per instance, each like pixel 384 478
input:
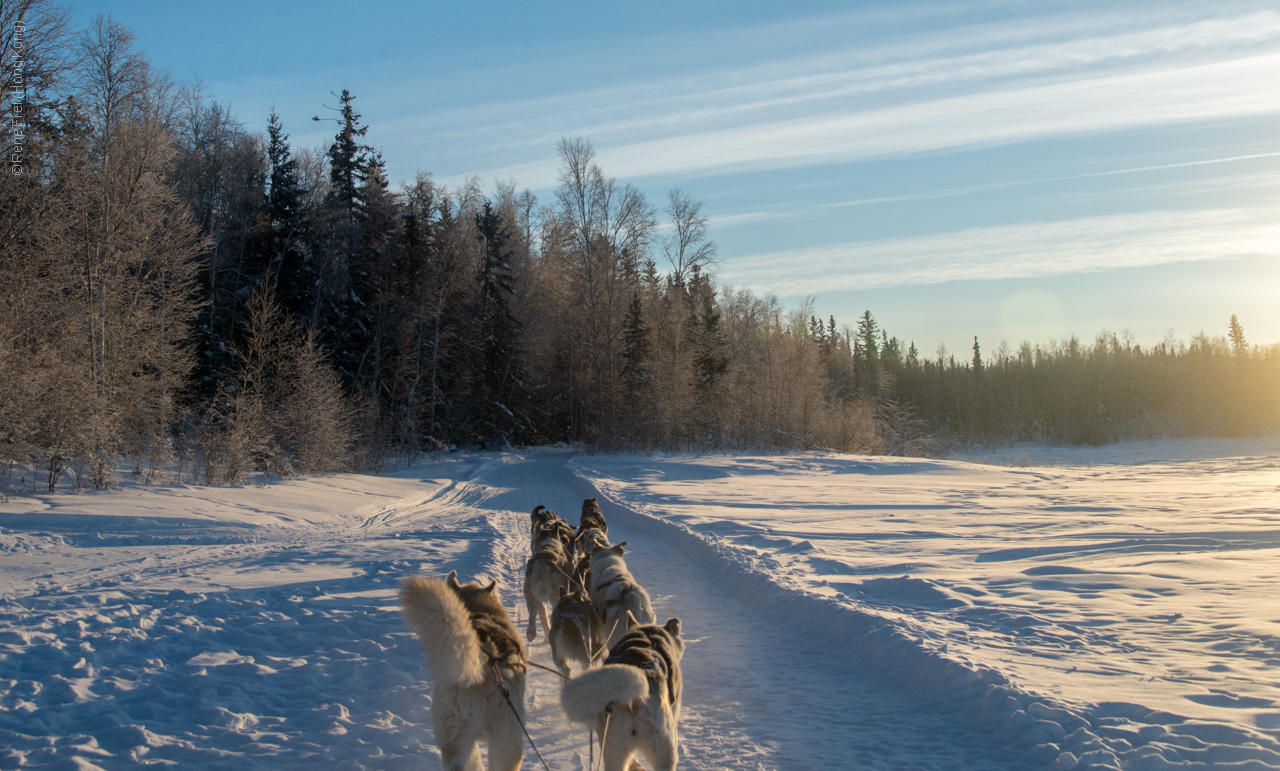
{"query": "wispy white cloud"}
pixel 1219 182
pixel 1088 244
pixel 1215 91
pixel 978 86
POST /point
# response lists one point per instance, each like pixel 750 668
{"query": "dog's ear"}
pixel 618 547
pixel 631 622
pixel 452 581
pixel 672 626
pixel 492 587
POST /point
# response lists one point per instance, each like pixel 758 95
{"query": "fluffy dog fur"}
pixel 576 632
pixel 465 632
pixel 641 687
pixel 614 593
pixel 546 575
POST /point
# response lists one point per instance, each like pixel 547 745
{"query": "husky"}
pixel 633 701
pixel 614 593
pixel 478 664
pixel 592 519
pixel 541 516
pixel 582 570
pixel 543 521
pixel 576 632
pixel 563 532
pixel 545 574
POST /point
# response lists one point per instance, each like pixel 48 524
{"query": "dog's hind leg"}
pixel 557 655
pixel 662 754
pixel 460 758
pixel 546 620
pixel 534 606
pixel 506 745
pixel 619 756
pixel 619 741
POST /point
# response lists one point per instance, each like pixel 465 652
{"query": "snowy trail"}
pixel 256 627
pixel 757 696
pixel 280 645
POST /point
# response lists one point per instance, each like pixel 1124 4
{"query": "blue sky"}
pixel 1009 170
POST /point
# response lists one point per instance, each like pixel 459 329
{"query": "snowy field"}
pixel 1019 609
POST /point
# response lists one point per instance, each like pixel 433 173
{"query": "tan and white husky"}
pixel 576 632
pixel 633 701
pixel 477 664
pixel 546 574
pixel 615 592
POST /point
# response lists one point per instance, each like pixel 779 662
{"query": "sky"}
pixel 1002 170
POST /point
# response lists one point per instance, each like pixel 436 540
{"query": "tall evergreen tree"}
pixel 1235 333
pixel 294 272
pixel 868 332
pixel 348 158
pixel 710 348
pixel 637 351
pixel 342 321
pixel 867 354
pixel 500 400
pixel 284 194
pixel 348 169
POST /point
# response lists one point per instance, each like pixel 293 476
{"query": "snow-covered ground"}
pixel 1110 607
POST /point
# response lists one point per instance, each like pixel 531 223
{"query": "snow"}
pixel 1098 606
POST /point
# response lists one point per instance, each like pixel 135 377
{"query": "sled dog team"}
pixel 629 691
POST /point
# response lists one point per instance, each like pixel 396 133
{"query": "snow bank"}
pixel 930 634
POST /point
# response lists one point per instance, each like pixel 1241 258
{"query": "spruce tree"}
pixel 867 354
pixel 500 401
pixel 343 321
pixel 710 349
pixel 1236 334
pixel 284 194
pixel 638 350
pixel 348 158
pixel 868 331
pixel 294 273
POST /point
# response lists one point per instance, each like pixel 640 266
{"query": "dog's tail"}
pixel 443 625
pixel 585 696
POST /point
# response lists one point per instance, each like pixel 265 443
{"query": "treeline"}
pixel 1077 393
pixel 185 293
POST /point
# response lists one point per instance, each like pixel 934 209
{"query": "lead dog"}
pixel 541 516
pixel 592 519
pixel 614 593
pixel 469 640
pixel 633 701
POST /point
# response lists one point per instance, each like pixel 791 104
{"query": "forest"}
pixel 184 296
